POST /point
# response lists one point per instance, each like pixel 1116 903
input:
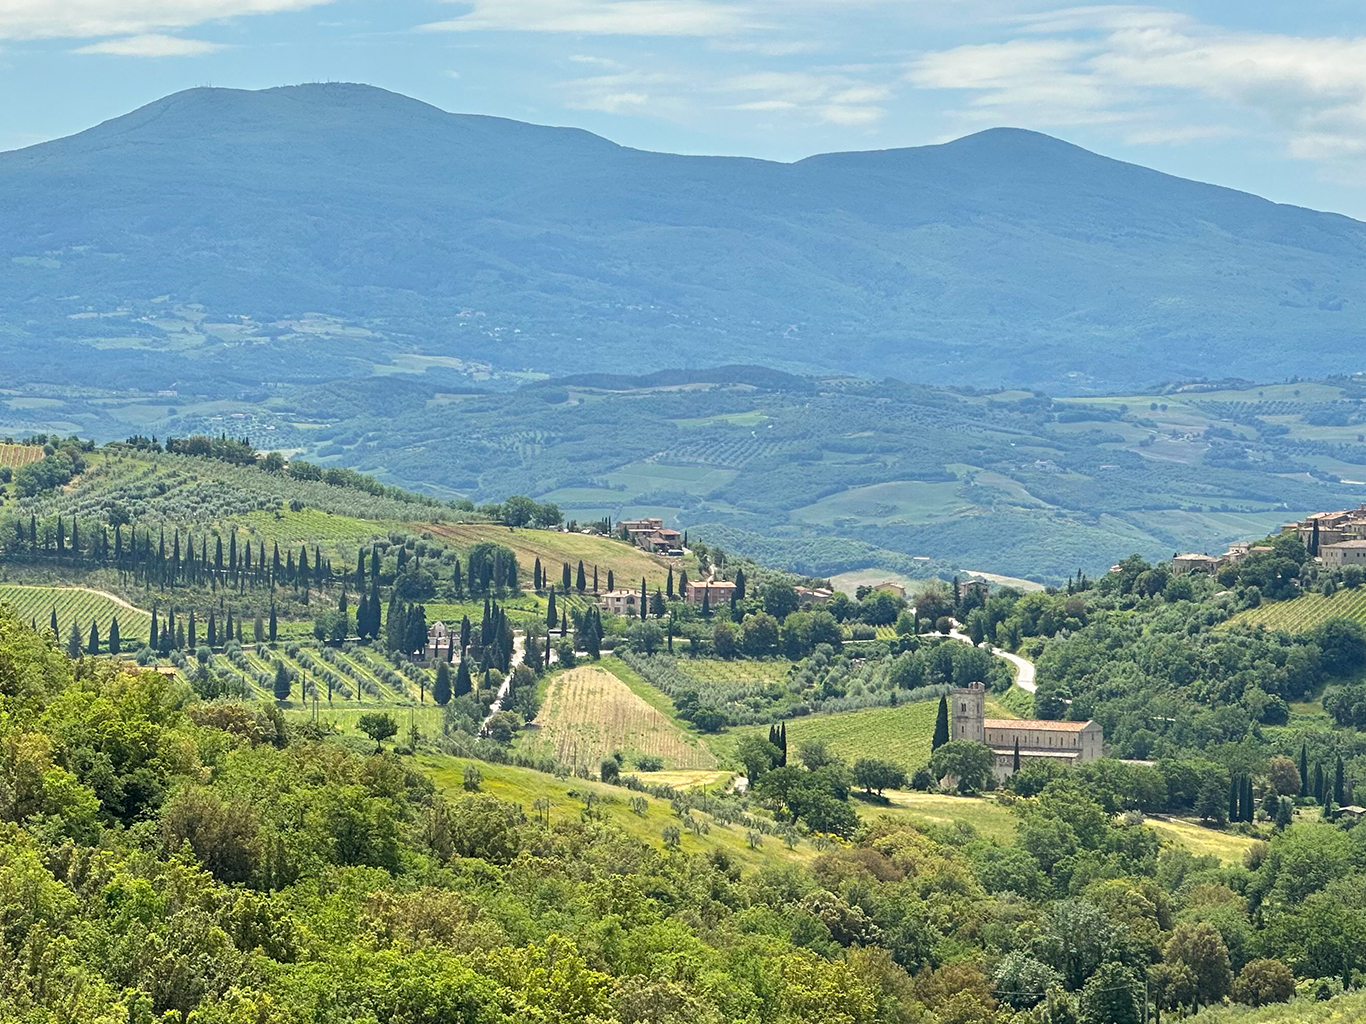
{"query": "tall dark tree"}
pixel 1015 762
pixel 115 643
pixel 551 616
pixel 537 577
pixel 212 630
pixel 739 584
pixel 73 641
pixel 1304 769
pixel 782 744
pixel 1318 782
pixel 283 685
pixel 55 632
pixel 151 633
pixel 595 579
pixel 941 725
pixel 92 645
pixel 463 683
pixel 644 610
pixel 669 584
pixel 611 580
pixel 441 689
pixel 271 629
pixel 466 628
pixel 580 579
pixel 194 631
pixel 565 579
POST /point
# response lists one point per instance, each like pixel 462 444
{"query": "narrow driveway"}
pixel 1024 668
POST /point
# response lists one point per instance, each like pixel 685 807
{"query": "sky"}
pixel 1261 95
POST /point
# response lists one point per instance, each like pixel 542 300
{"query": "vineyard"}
pixel 1306 612
pixel 16 455
pixel 36 605
pixel 589 714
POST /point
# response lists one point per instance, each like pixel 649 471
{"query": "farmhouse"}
pixel 440 642
pixel 620 602
pixel 809 597
pixel 974 589
pixel 1184 564
pixel 1069 743
pixel 715 591
pixel 1324 528
pixel 889 587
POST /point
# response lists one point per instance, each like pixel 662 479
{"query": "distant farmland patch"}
pixel 16 455
pixel 589 714
pixel 1306 612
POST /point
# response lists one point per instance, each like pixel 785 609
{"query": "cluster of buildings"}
pixel 653 536
pixel 1069 743
pixel 1335 538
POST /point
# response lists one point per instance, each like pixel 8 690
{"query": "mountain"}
pixel 321 230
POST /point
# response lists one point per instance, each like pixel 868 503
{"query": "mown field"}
pixel 627 563
pixel 525 787
pixel 1306 612
pixel 589 714
pixel 16 455
pixel 36 604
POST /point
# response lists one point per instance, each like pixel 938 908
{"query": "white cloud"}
pixel 601 17
pixel 39 19
pixel 152 45
pixel 1144 68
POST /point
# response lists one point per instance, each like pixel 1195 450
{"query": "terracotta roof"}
pixel 1347 544
pixel 1033 723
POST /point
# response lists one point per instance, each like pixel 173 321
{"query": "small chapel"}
pixel 1032 739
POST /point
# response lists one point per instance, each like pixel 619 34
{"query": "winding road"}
pixel 1024 668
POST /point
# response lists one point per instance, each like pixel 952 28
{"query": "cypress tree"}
pixel 92 645
pixel 595 579
pixel 782 743
pixel 565 579
pixel 1249 808
pixel 212 630
pixel 739 584
pixel 114 641
pixel 611 580
pixel 194 631
pixel 55 632
pixel 151 633
pixel 270 631
pixel 180 637
pixel 258 627
pixel 466 628
pixel 1235 790
pixel 1304 769
pixel 1015 763
pixel 580 580
pixel 1318 782
pixel 669 585
pixel 1338 794
pixel 441 689
pixel 551 616
pixel 282 683
pixel 463 684
pixel 537 577
pixel 643 610
pixel 706 603
pixel 73 641
pixel 941 725
pixel 683 583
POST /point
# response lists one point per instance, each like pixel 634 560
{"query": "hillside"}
pixel 241 235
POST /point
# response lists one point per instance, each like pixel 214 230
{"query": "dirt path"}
pixel 518 652
pixel 1024 668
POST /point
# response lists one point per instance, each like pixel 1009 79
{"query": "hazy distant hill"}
pixel 1007 256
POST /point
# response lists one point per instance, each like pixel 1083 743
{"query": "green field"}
pixel 899 734
pixel 524 786
pixel 36 603
pixel 1203 842
pixel 1304 613
pixel 553 548
pixel 1344 1009
pixel 907 501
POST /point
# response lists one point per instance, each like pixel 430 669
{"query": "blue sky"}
pixel 1265 96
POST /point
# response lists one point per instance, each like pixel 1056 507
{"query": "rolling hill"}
pixel 217 238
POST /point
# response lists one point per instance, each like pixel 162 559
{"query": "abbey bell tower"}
pixel 969 712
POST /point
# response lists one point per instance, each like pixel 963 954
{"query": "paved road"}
pixel 1024 668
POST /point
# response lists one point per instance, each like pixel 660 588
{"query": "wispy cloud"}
pixel 40 19
pixel 601 17
pixel 1143 67
pixel 152 45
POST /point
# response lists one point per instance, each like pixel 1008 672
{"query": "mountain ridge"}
pixel 1005 257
